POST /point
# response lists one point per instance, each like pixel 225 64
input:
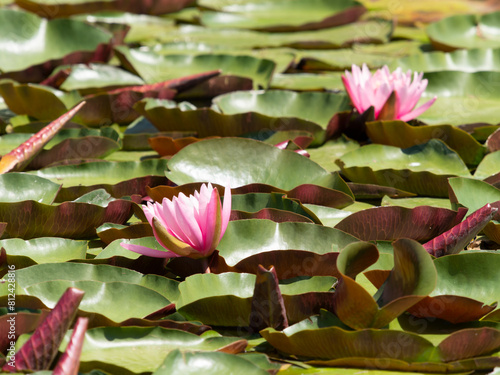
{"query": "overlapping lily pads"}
pixel 422 169
pixel 465 31
pixel 44 44
pixel 293 16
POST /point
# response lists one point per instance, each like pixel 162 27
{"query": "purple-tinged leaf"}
pixel 454 240
pixel 469 343
pixel 70 360
pixel 493 141
pixel 22 155
pixel 125 188
pixel 89 147
pixel 306 193
pixel 390 223
pixel 370 191
pixel 268 308
pixel 29 219
pixel 41 348
pixel 136 230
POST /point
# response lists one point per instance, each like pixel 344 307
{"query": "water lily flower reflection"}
pixel 366 90
pixel 187 226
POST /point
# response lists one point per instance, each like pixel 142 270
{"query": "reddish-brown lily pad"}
pixel 389 223
pixel 31 219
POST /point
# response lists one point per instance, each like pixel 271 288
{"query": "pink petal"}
pixel 417 112
pixel 226 209
pixel 211 221
pixel 184 210
pixel 148 251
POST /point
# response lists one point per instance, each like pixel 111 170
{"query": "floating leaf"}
pixel 465 288
pixel 400 134
pixel 309 106
pixel 205 122
pixel 63 9
pixel 226 299
pixel 224 159
pixel 155 68
pixel 466 60
pixel 213 363
pixel 370 31
pixel 125 353
pixel 465 31
pixel 389 223
pixel 412 278
pixel 105 172
pixel 57 42
pixel 34 187
pixel 295 249
pixel 432 162
pixel 283 15
pixel 31 219
pixel 456 105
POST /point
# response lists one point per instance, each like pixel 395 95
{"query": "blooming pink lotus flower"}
pixel 366 90
pixel 187 226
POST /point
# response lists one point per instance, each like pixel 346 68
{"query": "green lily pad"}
pixel 465 60
pixel 107 172
pixel 472 193
pixel 91 78
pixel 311 106
pixel 61 9
pixel 206 122
pixel 45 41
pixel 44 249
pixel 332 150
pixel 226 299
pixel 38 101
pixel 465 289
pixel 308 81
pixel 401 134
pixel 222 161
pixel 246 238
pixel 105 286
pixel 463 97
pixel 489 166
pixel 415 202
pixel 375 56
pixel 123 349
pixel 465 31
pixel 142 27
pixel 33 188
pixel 371 31
pixel 153 67
pixel 209 363
pixel 422 169
pixel 318 338
pixel 284 15
pixel 255 202
pixel 282 57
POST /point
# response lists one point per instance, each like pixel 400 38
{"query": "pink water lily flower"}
pixel 366 90
pixel 187 226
